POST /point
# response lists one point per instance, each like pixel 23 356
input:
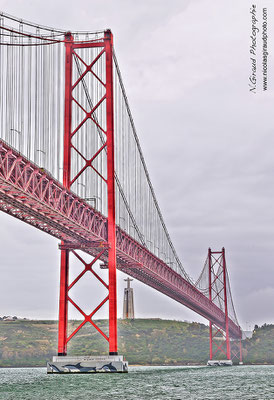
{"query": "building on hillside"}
pixel 9 318
pixel 128 309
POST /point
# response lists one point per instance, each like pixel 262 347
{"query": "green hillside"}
pixel 141 341
pixel 260 348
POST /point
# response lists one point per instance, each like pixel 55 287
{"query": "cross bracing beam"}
pixel 31 194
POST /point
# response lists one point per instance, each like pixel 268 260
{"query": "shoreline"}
pixel 145 365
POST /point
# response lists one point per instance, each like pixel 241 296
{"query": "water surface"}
pixel 191 383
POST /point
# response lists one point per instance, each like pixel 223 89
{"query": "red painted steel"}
pixel 68 180
pixel 63 303
pixel 68 110
pixel 36 198
pixel 111 197
pixel 219 335
pixel 236 350
pixel 226 307
pixel 87 317
pixel 64 268
pixel 210 298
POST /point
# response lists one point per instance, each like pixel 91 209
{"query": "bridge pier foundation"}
pixel 219 363
pixel 87 364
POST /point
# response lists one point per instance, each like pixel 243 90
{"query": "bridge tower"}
pixel 220 342
pixel 100 250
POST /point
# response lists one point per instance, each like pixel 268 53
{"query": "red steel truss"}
pixel 68 180
pixel 219 336
pixel 32 195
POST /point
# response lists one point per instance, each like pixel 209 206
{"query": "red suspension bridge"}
pixel 71 165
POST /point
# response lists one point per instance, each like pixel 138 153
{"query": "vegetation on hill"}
pixel 260 348
pixel 141 341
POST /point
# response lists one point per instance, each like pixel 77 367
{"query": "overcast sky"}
pixel 208 143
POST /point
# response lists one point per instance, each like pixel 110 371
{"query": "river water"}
pixel 191 383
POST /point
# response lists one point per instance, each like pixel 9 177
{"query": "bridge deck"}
pixel 35 197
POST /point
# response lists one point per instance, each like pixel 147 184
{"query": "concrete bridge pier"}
pixel 87 364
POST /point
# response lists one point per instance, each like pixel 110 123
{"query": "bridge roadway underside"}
pixel 35 197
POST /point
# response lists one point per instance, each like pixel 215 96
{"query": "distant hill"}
pixel 141 341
